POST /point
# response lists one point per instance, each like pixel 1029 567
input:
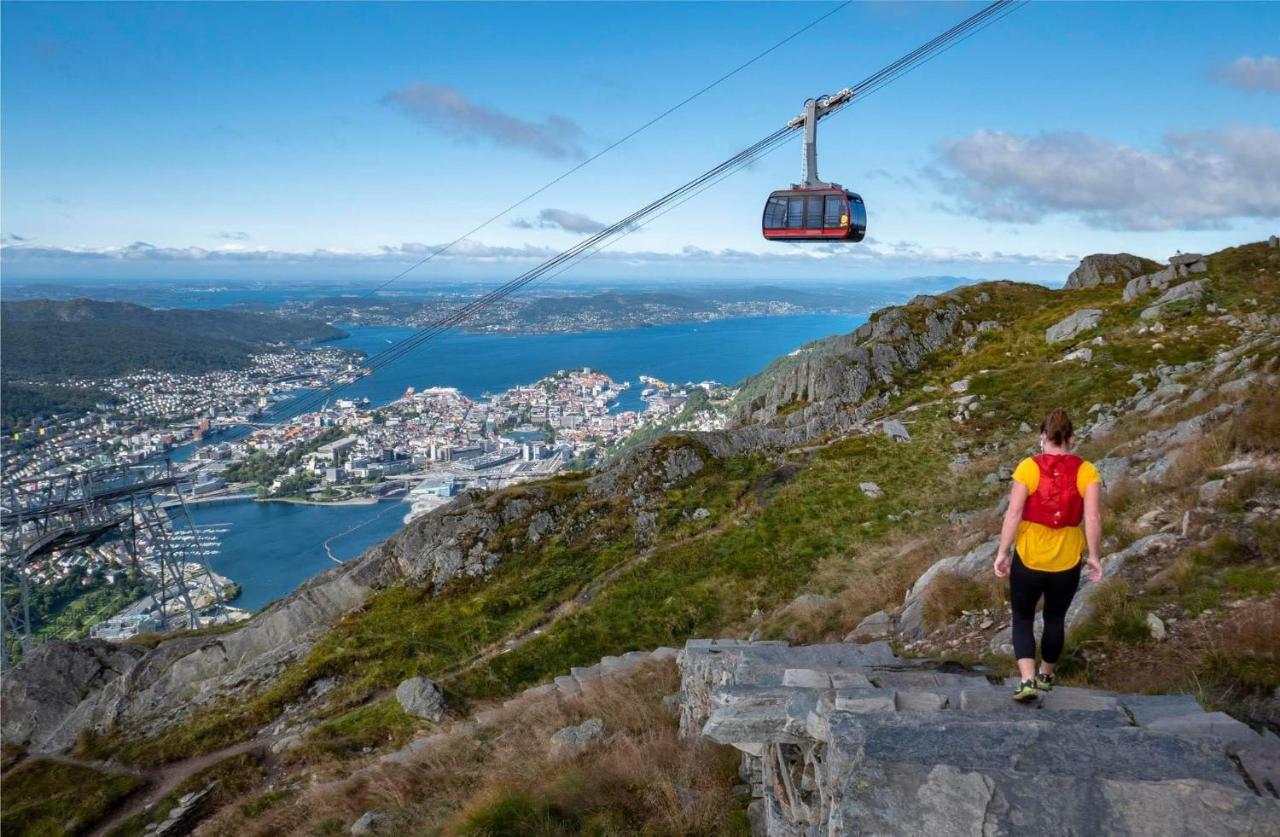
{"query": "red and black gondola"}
pixel 819 214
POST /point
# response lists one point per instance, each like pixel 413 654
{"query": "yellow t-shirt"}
pixel 1041 547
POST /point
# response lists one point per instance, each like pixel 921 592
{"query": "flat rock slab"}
pixel 1216 726
pixel 1144 709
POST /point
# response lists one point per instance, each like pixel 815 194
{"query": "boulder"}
pixel 1190 262
pixel 896 430
pixel 1078 323
pixel 1186 292
pixel 1210 491
pixel 1156 626
pixel 878 625
pixel 871 489
pixel 1107 269
pixel 421 697
pixel 570 741
pixel 369 824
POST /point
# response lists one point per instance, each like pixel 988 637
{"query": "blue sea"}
pixel 271 548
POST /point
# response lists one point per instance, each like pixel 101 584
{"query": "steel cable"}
pixel 641 217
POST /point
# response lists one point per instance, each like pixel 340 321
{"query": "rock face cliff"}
pixel 832 384
pixel 849 739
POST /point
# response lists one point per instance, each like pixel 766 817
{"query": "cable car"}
pixel 818 214
pixel 814 210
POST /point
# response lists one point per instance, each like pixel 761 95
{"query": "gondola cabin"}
pixel 821 214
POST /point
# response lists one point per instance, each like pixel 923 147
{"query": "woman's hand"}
pixel 1095 568
pixel 1003 561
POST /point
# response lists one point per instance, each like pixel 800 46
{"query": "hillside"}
pixel 48 341
pixel 239 326
pixel 856 496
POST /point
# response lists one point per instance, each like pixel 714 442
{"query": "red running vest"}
pixel 1056 502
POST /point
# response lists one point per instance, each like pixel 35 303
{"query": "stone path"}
pixel 849 739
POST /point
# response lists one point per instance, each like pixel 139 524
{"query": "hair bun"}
pixel 1057 427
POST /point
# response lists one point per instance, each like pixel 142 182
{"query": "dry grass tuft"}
pixel 498 778
pixel 1257 426
pixel 1232 665
pixel 950 594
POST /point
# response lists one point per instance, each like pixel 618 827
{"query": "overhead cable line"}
pixel 597 241
pixel 588 161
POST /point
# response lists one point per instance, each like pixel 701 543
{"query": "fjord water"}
pixel 271 548
pixel 723 350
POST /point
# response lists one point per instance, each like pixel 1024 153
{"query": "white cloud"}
pixel 561 219
pixel 1253 75
pixel 1198 180
pixel 449 110
pixel 869 252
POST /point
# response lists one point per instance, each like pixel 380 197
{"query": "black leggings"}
pixel 1026 586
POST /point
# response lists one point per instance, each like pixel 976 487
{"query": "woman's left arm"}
pixel 1093 529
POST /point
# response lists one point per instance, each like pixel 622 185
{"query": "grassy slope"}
pixel 45 797
pixel 776 528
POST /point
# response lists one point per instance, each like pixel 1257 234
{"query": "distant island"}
pixel 562 312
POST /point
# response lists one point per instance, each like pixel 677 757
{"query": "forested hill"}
pixel 44 342
pixel 245 327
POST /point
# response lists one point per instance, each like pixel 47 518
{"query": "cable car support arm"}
pixel 815 109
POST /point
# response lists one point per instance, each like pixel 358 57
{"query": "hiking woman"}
pixel 1052 494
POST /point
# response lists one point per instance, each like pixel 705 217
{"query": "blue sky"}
pixel 258 140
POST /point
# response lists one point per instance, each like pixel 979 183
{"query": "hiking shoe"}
pixel 1044 682
pixel 1027 691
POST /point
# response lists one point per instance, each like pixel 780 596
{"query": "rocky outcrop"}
pixel 1180 266
pixel 1108 269
pixel 975 564
pixel 65 688
pixel 848 739
pixel 43 699
pixel 836 378
pixel 1186 292
pixel 1077 323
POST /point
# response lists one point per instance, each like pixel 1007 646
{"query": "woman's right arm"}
pixel 1009 530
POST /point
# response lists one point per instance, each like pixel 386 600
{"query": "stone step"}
pixel 927 680
pixel 535 692
pixel 865 700
pixel 1260 762
pixel 919 700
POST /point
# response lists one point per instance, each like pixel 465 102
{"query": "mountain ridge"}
pixel 798 523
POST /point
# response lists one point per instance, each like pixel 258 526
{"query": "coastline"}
pixel 354 501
